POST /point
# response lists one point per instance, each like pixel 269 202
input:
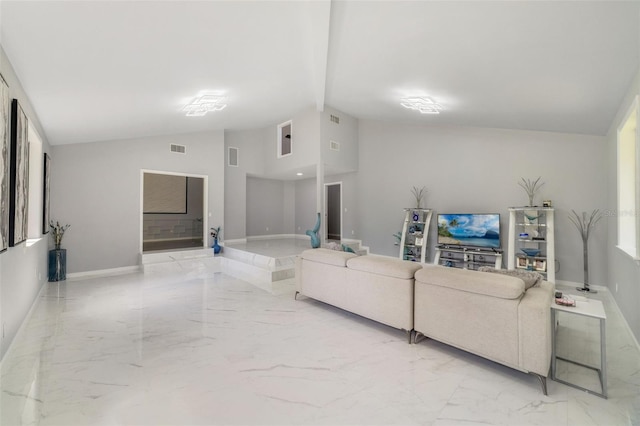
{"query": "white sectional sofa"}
pixel 374 287
pixel 488 314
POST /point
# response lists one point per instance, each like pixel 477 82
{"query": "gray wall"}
pixel 96 188
pixel 305 205
pixel 346 134
pixel 251 146
pixel 269 207
pixel 305 136
pixel 475 170
pixel 23 269
pixel 623 270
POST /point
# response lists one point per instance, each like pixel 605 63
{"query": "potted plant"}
pixel 57 232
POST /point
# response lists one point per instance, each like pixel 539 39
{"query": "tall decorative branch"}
pixel 584 225
pixel 531 187
pixel 419 194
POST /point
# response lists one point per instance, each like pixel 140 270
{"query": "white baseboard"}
pixel 103 273
pixel 24 322
pixel 603 289
pixel 577 284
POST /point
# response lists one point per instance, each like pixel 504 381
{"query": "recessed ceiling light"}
pixel 204 104
pixel 424 104
pixel 299 174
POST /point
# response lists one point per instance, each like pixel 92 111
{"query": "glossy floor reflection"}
pixel 206 348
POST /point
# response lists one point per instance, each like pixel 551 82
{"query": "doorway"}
pixel 333 211
pixel 173 211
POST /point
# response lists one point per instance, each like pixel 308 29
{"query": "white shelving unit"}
pixel 467 257
pixel 413 244
pixel 532 228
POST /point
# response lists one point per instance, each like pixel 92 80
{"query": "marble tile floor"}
pixel 208 349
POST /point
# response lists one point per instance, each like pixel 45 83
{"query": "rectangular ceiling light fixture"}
pixel 424 104
pixel 204 104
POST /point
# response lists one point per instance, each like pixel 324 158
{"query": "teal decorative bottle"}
pixel 216 247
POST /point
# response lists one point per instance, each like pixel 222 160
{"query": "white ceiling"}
pixel 109 70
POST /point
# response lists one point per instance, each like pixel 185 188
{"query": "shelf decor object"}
pixel 413 238
pixel 530 252
pixel 584 226
pixel 532 240
pixel 313 233
pixel 419 193
pixel 531 187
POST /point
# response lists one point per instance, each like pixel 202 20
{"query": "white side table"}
pixel 589 308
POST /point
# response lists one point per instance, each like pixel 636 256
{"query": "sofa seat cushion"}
pixel 329 257
pixel 495 285
pixel 388 267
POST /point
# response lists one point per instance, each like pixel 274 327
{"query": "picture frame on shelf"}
pixel 540 265
pixel 522 263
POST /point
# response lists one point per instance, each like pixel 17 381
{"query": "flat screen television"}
pixel 469 230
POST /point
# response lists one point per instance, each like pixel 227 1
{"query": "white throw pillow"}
pixel 530 278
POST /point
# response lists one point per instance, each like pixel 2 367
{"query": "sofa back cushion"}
pixel 495 285
pixel 385 266
pixel 329 257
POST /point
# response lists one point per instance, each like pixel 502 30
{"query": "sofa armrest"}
pixel 534 329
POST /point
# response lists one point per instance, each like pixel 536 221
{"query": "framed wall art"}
pixel 45 196
pixel 5 106
pixel 19 176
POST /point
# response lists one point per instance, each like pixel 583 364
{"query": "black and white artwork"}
pixel 45 196
pixel 4 164
pixel 19 176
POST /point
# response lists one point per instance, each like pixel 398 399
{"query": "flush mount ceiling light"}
pixel 424 104
pixel 204 104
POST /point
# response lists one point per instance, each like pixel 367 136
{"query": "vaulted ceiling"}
pixel 105 70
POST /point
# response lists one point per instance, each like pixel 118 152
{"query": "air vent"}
pixel 334 146
pixel 335 119
pixel 178 149
pixel 233 156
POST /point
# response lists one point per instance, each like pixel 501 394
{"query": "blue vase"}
pixel 216 246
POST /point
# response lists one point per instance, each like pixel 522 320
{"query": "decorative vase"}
pixel 216 247
pixel 57 265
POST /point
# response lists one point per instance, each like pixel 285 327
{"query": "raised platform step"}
pixel 245 264
pixel 191 260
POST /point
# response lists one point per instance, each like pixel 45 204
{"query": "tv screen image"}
pixel 469 230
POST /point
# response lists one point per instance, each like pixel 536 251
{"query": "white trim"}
pixel 170 239
pixel 624 320
pixel 273 237
pixel 103 273
pixel 279 139
pixel 634 106
pixel 604 289
pixel 25 320
pixel 205 204
pixel 229 156
pixel 325 237
pixel 235 241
